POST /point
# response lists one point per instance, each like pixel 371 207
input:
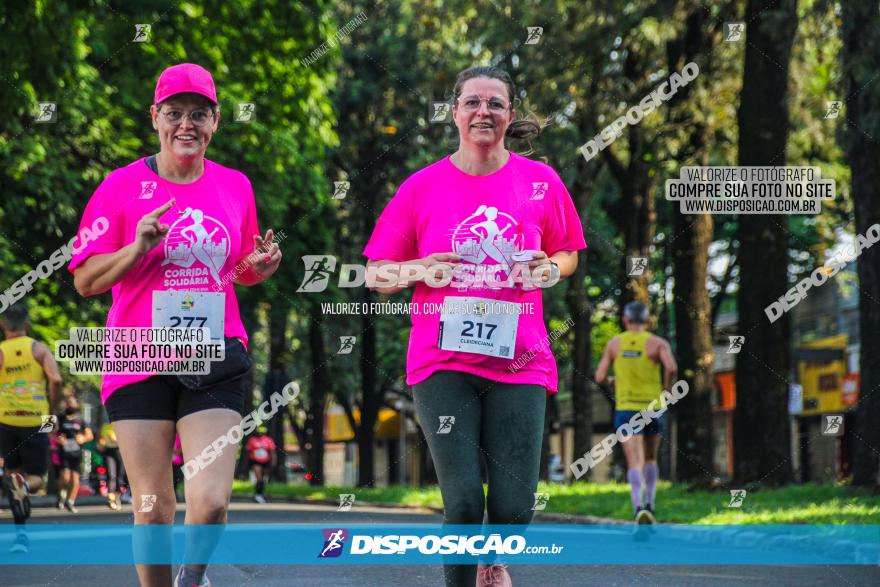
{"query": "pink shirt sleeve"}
pixel 250 227
pixel 563 230
pixel 100 205
pixel 394 237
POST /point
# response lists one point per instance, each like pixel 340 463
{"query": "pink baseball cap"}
pixel 185 77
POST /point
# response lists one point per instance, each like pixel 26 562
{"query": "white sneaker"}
pixel 205 581
pixel 259 498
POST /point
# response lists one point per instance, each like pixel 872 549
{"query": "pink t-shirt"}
pixel 216 214
pixel 259 448
pixel 177 454
pixel 441 209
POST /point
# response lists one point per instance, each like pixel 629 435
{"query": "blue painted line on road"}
pixel 368 544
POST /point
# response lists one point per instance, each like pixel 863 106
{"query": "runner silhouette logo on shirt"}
pixel 198 243
pixel 489 237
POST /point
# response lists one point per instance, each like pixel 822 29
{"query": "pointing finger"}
pixel 161 209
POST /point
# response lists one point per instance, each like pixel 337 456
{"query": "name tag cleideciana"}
pixel 478 325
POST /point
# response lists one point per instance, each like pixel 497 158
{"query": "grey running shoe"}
pixel 17 491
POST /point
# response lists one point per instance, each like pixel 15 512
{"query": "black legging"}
pixel 115 468
pixel 500 423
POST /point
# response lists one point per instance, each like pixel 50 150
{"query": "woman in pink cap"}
pixel 180 230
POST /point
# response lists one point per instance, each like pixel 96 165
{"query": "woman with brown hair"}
pixel 485 224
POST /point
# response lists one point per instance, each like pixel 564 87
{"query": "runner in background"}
pixel 29 383
pixel 637 357
pixel 108 446
pixel 72 435
pixel 55 447
pixel 261 454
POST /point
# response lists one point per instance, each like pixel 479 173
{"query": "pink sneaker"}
pixel 493 576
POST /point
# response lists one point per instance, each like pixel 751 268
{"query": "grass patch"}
pixel 795 504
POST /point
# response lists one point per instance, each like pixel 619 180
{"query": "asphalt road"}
pixel 408 575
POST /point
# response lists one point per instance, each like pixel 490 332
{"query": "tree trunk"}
pixel 371 398
pixel 761 424
pixel 690 250
pixel 581 314
pixel 635 216
pixel 251 324
pixel 861 39
pixel 639 219
pixel 693 413
pixel 314 426
pixel 276 378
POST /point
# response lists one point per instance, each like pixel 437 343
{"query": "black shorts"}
pixel 25 448
pixel 72 460
pixel 163 397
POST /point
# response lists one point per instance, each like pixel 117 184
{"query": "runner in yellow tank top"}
pixel 29 382
pixel 638 357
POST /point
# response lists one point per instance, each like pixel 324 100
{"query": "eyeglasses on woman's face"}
pixel 495 104
pixel 198 117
